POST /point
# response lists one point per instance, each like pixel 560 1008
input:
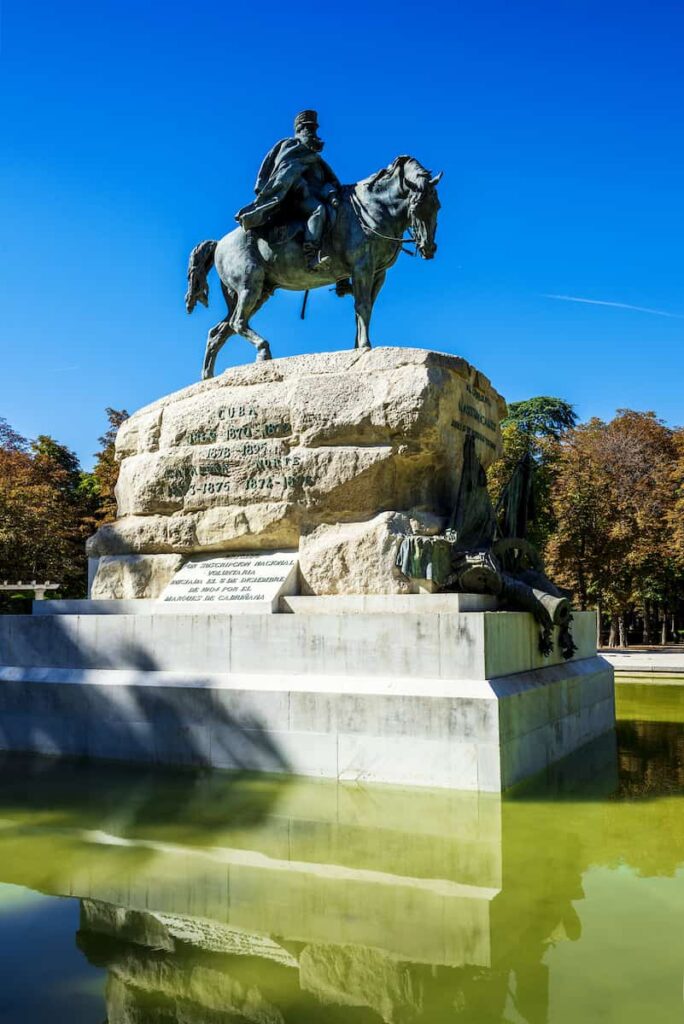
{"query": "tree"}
pixel 612 503
pixel 106 471
pixel 584 554
pixel 58 464
pixel 41 512
pixel 49 506
pixel 533 427
pixel 10 440
pixel 676 483
pixel 541 417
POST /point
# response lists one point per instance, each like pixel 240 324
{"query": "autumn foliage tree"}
pixel 676 483
pixel 612 503
pixel 42 511
pixel 49 506
pixel 610 510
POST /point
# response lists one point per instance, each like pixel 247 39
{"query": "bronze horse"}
pixel 364 241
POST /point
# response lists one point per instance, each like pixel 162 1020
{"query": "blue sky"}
pixel 133 130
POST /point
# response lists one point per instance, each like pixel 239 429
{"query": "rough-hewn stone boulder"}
pixel 268 453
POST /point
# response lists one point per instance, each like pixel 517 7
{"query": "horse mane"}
pixel 399 163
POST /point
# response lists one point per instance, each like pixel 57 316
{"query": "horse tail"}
pixel 200 263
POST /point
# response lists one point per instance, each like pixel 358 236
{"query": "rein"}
pixel 367 227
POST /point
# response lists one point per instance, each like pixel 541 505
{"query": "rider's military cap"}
pixel 307 118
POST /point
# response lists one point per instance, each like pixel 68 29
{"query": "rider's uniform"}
pixel 291 168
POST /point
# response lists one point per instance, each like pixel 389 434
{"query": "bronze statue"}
pixel 300 210
pixel 294 170
pixel 485 550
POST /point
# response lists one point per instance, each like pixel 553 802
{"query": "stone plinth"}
pixel 336 454
pixel 459 700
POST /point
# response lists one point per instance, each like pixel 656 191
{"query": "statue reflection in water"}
pixel 393 906
pixel 272 901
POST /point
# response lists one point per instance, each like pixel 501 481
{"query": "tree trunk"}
pixel 598 624
pixel 663 628
pixel 612 636
pixel 646 635
pixel 622 630
pixel 581 590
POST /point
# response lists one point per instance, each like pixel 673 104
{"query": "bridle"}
pixel 368 228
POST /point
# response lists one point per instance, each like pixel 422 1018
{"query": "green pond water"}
pixel 137 898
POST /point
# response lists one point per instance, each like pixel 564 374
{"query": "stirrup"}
pixel 311 255
pixel 318 262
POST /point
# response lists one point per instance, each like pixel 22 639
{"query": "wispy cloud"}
pixel 616 305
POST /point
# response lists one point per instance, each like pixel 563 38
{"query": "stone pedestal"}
pixel 439 698
pixel 337 455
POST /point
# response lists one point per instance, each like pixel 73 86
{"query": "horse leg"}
pixel 250 298
pixel 378 282
pixel 362 286
pixel 217 337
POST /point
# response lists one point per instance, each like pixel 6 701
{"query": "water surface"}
pixel 142 898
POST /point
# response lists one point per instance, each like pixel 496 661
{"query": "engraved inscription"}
pixel 478 395
pixel 467 429
pixel 255 577
pixel 470 410
pixel 200 437
pixel 229 470
pixel 232 412
pixel 260 483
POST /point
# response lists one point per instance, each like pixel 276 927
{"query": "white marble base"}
pixel 334 604
pixel 375 604
pixel 459 700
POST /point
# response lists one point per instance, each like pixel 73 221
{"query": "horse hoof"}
pixel 366 347
pixel 263 354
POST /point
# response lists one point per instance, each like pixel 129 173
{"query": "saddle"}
pixel 280 234
pixel 287 224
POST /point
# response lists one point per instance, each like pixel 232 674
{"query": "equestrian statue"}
pixel 305 230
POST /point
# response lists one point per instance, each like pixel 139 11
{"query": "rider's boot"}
pixel 314 260
pixel 311 255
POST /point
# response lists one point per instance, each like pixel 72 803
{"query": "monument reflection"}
pixel 212 900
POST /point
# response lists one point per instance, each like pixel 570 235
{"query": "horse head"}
pixel 423 205
pixel 417 187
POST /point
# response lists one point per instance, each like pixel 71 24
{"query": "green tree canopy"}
pixel 533 427
pixel 541 417
pixel 106 471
